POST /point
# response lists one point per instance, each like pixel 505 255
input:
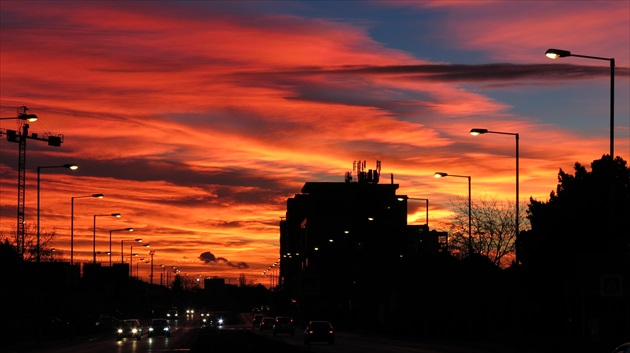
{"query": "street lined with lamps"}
pixel 69 166
pixel 476 132
pixel 442 175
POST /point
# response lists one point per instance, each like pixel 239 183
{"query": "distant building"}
pixel 343 244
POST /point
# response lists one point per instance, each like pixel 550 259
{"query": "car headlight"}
pixel 134 330
pixel 166 329
pixel 120 330
pixel 150 328
pixel 204 319
pixel 220 321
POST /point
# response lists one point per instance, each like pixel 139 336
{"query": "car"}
pixel 257 320
pixel 106 324
pixel 212 320
pixel 266 323
pixel 172 314
pixel 319 331
pixel 159 327
pixel 623 348
pixel 284 324
pixel 129 328
pixel 204 313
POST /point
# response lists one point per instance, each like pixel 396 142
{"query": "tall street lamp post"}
pixel 441 175
pixel 69 166
pixel 110 241
pixel 476 132
pixel 122 253
pixel 151 252
pixel 131 255
pixel 558 53
pixel 426 206
pixel 98 196
pixel 117 215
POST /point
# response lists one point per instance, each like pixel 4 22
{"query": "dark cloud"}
pixel 208 257
pixel 470 73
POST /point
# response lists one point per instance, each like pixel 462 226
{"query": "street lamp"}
pixel 163 274
pixel 420 199
pixel 476 132
pixel 98 196
pixel 558 53
pixel 117 215
pixel 441 175
pixel 69 166
pixel 132 255
pixel 110 241
pixel 122 253
pixel 151 252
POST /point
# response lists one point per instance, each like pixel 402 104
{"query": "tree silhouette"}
pixel 583 223
pixel 46 238
pixel 493 229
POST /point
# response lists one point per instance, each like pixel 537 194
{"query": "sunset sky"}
pixel 198 119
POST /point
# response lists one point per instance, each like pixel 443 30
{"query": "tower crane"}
pixel 20 136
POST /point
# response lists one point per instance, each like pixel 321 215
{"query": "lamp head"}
pixel 129 229
pixel 28 117
pixel 476 132
pixel 98 196
pixel 71 166
pixel 139 240
pixel 557 53
pixel 439 175
pixel 117 215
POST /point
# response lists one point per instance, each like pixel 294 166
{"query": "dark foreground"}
pixel 238 341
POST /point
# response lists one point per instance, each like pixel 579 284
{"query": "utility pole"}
pixel 20 138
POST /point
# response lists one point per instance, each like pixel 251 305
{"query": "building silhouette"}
pixel 344 246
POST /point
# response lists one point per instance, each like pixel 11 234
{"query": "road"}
pixel 237 335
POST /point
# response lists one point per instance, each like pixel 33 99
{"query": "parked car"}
pixel 284 324
pixel 257 320
pixel 159 327
pixel 130 328
pixel 319 331
pixel 623 348
pixel 267 323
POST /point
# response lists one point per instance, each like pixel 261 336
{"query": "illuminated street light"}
pixel 476 132
pixel 420 199
pixel 117 215
pixel 442 175
pixel 558 53
pixel 110 241
pixel 98 196
pixel 122 253
pixel 132 255
pixel 69 166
